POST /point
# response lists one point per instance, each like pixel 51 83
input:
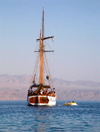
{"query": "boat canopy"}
pixel 44 86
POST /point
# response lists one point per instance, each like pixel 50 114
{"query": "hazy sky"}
pixel 75 25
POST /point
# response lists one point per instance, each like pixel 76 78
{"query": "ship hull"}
pixel 41 100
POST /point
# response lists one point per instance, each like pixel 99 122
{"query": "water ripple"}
pixel 17 116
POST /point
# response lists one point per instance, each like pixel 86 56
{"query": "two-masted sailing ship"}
pixel 42 94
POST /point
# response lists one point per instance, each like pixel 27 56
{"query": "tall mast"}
pixel 40 59
pixel 41 52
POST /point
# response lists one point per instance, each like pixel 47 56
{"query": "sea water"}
pixel 17 116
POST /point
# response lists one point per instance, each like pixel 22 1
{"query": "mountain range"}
pixel 14 87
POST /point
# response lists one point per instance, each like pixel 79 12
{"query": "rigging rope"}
pixel 48 70
pixel 35 69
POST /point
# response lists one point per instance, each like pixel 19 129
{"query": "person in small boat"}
pixel 69 102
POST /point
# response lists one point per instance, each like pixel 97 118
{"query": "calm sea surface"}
pixel 17 116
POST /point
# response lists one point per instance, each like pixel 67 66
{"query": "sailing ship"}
pixel 41 93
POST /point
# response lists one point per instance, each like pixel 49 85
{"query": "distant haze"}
pixel 15 88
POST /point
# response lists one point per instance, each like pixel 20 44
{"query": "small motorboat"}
pixel 71 103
